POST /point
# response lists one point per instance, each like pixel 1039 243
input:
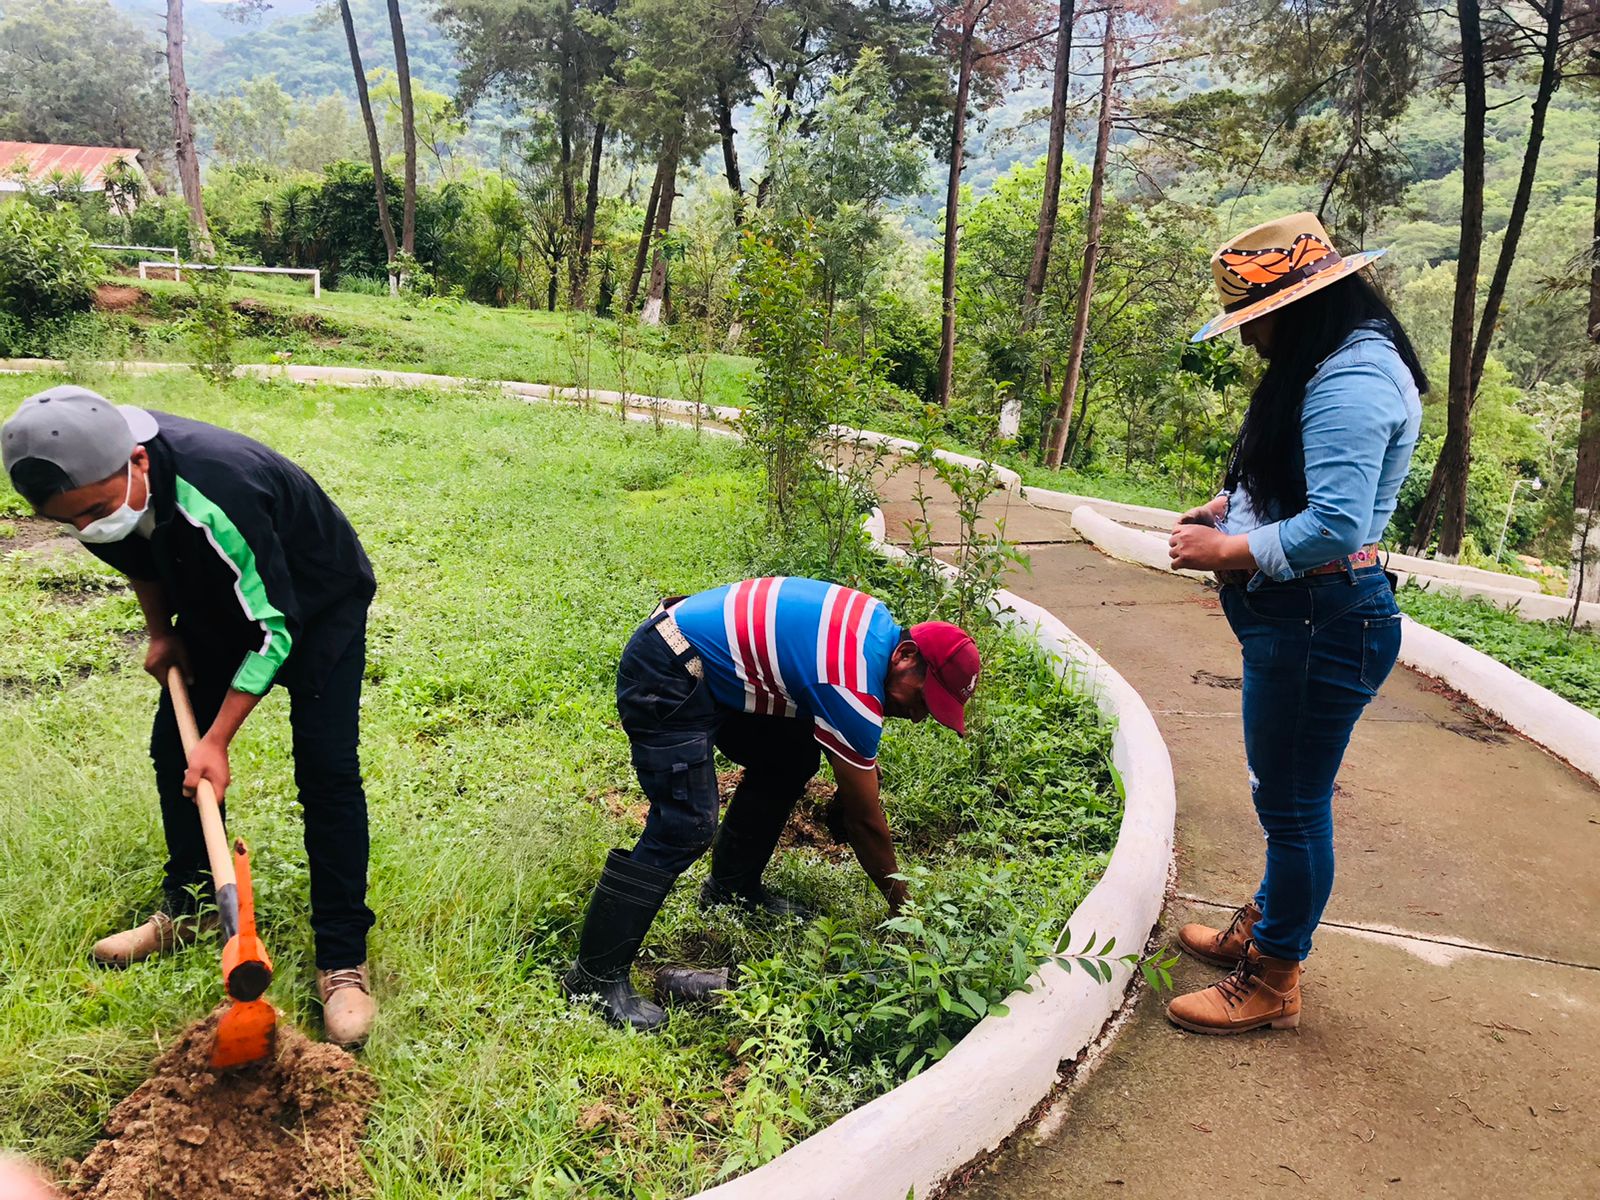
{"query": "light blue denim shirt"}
pixel 1359 425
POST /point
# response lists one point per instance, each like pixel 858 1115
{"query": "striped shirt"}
pixel 798 648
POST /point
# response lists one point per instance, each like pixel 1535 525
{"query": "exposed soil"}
pixel 808 824
pixel 114 297
pixel 807 828
pixel 285 1129
pixel 1476 724
pixel 29 533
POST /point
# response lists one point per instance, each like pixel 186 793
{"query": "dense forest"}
pixel 1004 206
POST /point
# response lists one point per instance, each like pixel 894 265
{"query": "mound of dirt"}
pixel 284 1129
pixel 113 297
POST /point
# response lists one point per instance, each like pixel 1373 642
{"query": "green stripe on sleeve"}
pixel 260 667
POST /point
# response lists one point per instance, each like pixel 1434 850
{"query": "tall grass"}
pixel 516 546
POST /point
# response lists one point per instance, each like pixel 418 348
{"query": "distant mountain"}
pixel 301 43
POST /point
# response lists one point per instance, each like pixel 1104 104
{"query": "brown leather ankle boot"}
pixel 1224 947
pixel 1260 991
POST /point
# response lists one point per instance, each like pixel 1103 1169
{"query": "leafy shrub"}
pixel 47 269
pixel 66 336
pixel 908 339
pixel 211 325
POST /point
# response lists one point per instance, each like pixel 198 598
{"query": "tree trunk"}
pixel 385 223
pixel 569 193
pixel 1091 248
pixel 408 125
pixel 1075 436
pixel 1446 499
pixel 653 299
pixel 642 254
pixel 730 151
pixel 952 227
pixel 1549 76
pixel 1050 203
pixel 591 200
pixel 183 128
pixel 1585 584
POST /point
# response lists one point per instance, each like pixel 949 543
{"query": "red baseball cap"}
pixel 953 668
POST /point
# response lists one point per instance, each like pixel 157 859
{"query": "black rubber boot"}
pixel 752 897
pixel 691 985
pixel 624 904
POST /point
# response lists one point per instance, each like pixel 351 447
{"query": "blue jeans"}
pixel 1316 650
pixel 674 724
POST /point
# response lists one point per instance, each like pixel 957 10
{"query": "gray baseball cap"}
pixel 68 437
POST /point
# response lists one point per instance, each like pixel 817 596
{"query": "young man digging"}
pixel 774 673
pixel 248 575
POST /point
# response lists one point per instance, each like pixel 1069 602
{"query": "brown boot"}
pixel 1224 947
pixel 159 935
pixel 1260 991
pixel 348 1008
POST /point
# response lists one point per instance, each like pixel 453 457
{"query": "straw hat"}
pixel 1275 264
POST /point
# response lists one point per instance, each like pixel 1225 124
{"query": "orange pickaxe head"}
pixel 244 1033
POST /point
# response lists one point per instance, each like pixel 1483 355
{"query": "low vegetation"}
pixel 497 779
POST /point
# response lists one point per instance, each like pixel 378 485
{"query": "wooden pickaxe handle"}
pixel 223 878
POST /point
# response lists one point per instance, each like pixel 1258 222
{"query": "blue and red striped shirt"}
pixel 797 648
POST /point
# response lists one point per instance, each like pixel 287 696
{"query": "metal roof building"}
pixel 37 161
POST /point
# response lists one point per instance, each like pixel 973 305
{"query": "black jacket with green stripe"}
pixel 266 576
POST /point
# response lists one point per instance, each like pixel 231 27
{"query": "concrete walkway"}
pixel 1450 1045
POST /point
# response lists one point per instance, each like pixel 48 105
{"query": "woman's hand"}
pixel 1206 514
pixel 1204 548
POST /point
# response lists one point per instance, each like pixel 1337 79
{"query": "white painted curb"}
pixel 1163 519
pixel 1130 545
pixel 909 1140
pixel 1150 550
pixel 1531 709
pixel 1132 514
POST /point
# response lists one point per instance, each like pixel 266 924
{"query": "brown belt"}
pixel 1367 556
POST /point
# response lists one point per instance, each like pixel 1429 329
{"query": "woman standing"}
pixel 1319 460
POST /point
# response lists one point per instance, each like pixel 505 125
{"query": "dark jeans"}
pixel 327 773
pixel 1316 651
pixel 674 724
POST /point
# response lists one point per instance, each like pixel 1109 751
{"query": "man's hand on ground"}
pixel 209 761
pixel 166 650
pixel 857 812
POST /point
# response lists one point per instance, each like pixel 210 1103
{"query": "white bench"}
pixel 178 269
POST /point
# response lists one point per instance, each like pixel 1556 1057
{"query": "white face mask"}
pixel 114 526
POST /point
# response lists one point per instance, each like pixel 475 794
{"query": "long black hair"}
pixel 1268 455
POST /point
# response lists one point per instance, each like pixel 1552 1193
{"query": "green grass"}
pixel 438 337
pixel 515 546
pixel 1566 663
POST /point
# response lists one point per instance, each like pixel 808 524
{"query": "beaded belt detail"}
pixel 1367 556
pixel 678 644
